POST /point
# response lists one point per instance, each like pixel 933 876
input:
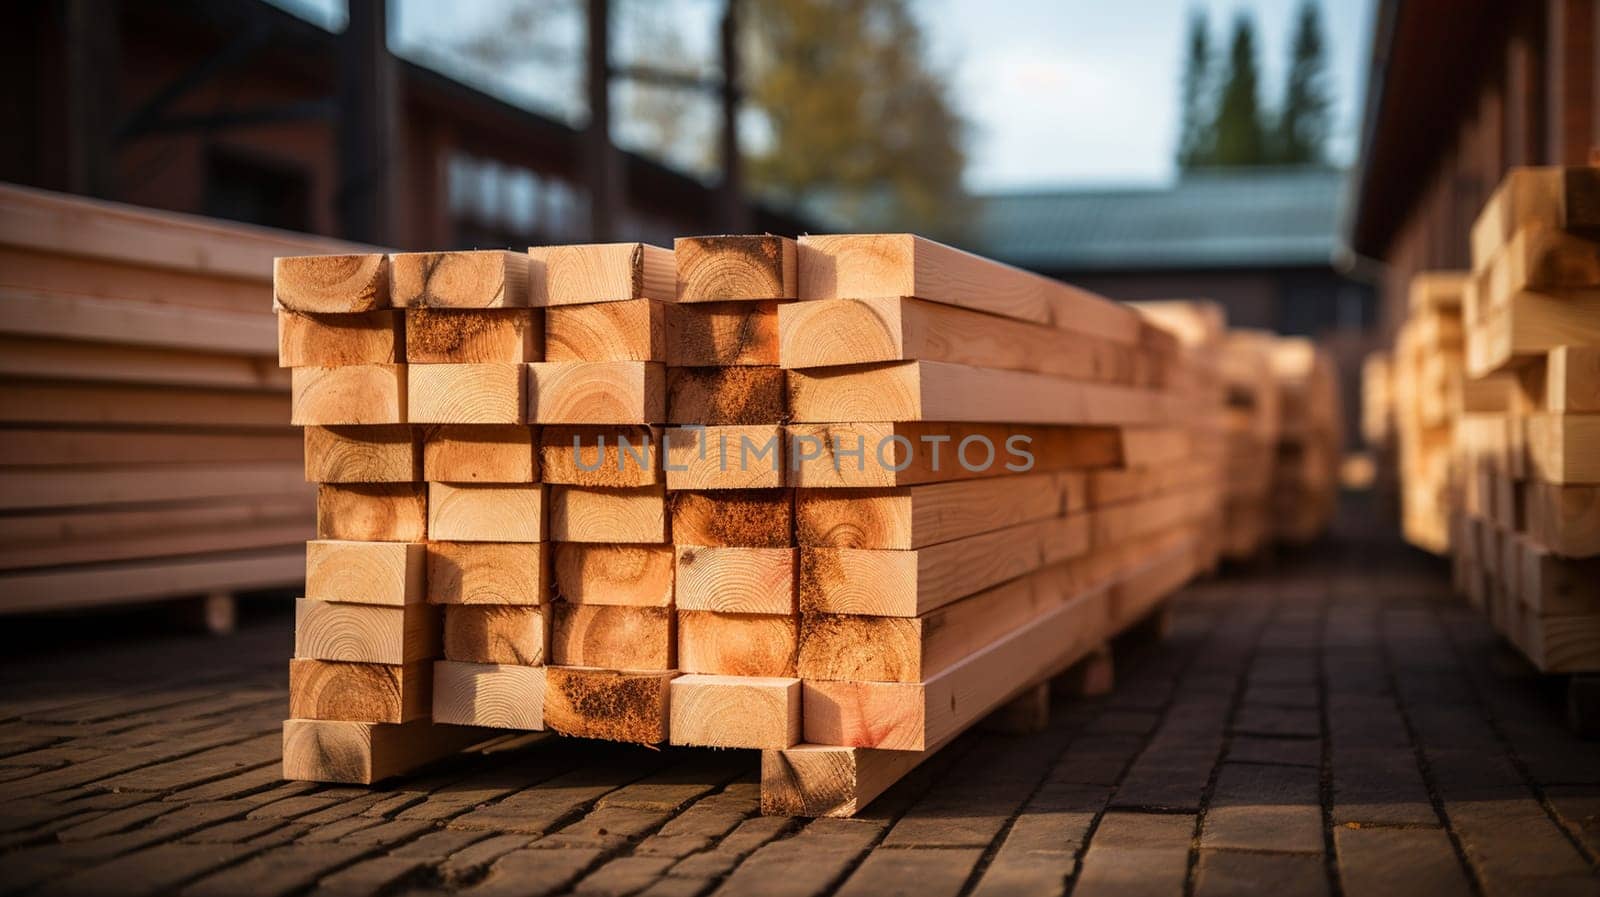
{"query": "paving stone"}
pixel 1039 853
pixel 1380 786
pixel 1173 780
pixel 1135 854
pixel 1578 811
pixel 532 872
pixel 368 877
pixel 1125 722
pixel 466 863
pixel 810 862
pixel 1277 721
pixel 157 870
pixel 1096 759
pixel 1513 845
pixel 970 816
pixel 915 872
pixel 281 870
pixel 1230 873
pixel 1387 862
pixel 436 845
pixel 608 827
pixel 678 886
pixel 624 876
pixel 1288 829
pixel 1277 751
pixel 1252 784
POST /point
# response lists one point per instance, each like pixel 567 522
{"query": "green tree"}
pixel 1195 133
pixel 1303 121
pixel 857 117
pixel 1240 135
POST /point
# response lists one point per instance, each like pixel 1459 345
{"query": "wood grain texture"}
pixel 1552 197
pixel 601 456
pixel 365 633
pixel 474 336
pixel 867 455
pixel 733 457
pixel 485 278
pixel 376 454
pixel 312 340
pixel 720 268
pixel 584 514
pixel 613 636
pixel 497 696
pixel 1572 380
pixel 815 780
pixel 331 284
pixel 596 392
pixel 867 266
pixel 466 394
pixel 360 692
pixel 725 396
pixel 735 580
pixel 469 453
pixel 366 572
pixel 601 272
pixel 633 330
pixel 918 516
pixel 607 704
pixel 363 753
pixel 352 394
pixel 737 644
pixel 372 512
pixel 634 575
pixel 757 518
pixel 462 512
pixel 858 331
pixel 497 633
pixel 488 573
pixel 719 334
pixel 735 711
pixel 1563 519
pixel 939 391
pixel 1565 448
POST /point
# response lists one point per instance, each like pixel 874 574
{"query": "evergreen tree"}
pixel 1195 130
pixel 1240 135
pixel 1303 122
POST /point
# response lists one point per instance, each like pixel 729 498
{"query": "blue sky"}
pixel 1059 92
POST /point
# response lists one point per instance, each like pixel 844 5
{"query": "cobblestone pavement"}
pixel 1332 724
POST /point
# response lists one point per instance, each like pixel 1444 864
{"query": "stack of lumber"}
pixel 1429 386
pixel 1305 489
pixel 837 499
pixel 1379 429
pixel 1529 534
pixel 145 455
pixel 1253 422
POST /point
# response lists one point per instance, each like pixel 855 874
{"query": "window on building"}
pixel 244 188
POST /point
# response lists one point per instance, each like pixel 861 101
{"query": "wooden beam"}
pixel 816 780
pixel 391 573
pixel 372 512
pixel 360 692
pixel 461 512
pixel 735 711
pixel 471 453
pixel 373 454
pixel 497 633
pixel 631 575
pixel 717 269
pixel 735 579
pixel 613 636
pixel 757 518
pixel 1555 197
pixel 46 359
pixel 720 334
pixel 353 394
pixel 1565 448
pixel 728 457
pixel 607 704
pixel 601 456
pixel 1563 519
pixel 26 488
pixel 466 394
pixel 737 644
pixel 725 396
pixel 331 284
pixel 40 402
pixel 499 696
pixel 601 272
pixel 630 330
pixel 938 391
pixel 582 514
pixel 918 516
pixel 365 633
pixel 867 266
pixel 867 455
pixel 148 579
pixel 169 532
pixel 474 336
pixel 314 340
pixel 516 573
pixel 485 278
pixel 363 753
pixel 1572 380
pixel 41 447
pixel 596 392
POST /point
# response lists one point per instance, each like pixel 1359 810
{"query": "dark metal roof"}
pixel 1221 218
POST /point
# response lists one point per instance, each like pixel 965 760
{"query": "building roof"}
pixel 1216 219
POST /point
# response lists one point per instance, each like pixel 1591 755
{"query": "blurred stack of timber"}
pixel 144 450
pixel 884 489
pixel 1305 488
pixel 1253 423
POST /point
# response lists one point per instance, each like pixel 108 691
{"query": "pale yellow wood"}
pixel 609 704
pixel 488 572
pixel 737 644
pixel 1565 448
pixel 474 335
pixel 352 394
pixel 632 330
pixel 735 579
pixel 735 711
pixel 360 692
pixel 634 515
pixel 601 456
pixel 466 394
pixel 1552 197
pixel 378 454
pixel 365 633
pixel 373 512
pixel 601 272
pixel 498 696
pixel 1572 380
pixel 596 392
pixel 485 278
pixel 867 455
pixel 364 753
pixel 461 512
pixel 756 518
pixel 365 572
pixel 725 396
pixel 720 268
pixel 613 636
pixel 719 334
pixel 637 575
pixel 311 340
pixel 728 457
pixel 471 453
pixel 330 284
pixel 918 516
pixel 497 633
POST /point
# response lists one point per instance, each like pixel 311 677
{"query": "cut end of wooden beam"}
pixel 330 284
pixel 608 704
pixel 497 696
pixel 596 392
pixel 351 395
pixel 365 572
pixel 823 781
pixel 487 278
pixel 466 394
pixel 735 711
pixel 720 268
pixel 601 272
pixel 356 753
pixel 363 454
